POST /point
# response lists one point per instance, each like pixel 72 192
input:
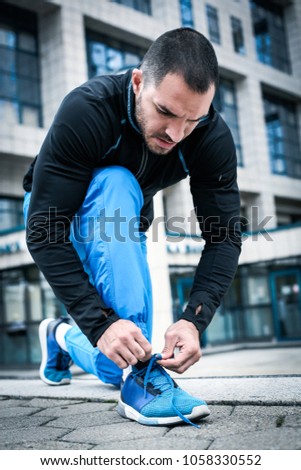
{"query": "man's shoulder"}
pixel 104 86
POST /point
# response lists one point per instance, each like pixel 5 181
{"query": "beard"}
pixel 141 120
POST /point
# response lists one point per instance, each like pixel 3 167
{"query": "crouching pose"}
pixel 115 141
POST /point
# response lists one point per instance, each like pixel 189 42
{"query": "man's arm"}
pixel 61 177
pixel 217 206
pixel 60 180
pixel 217 209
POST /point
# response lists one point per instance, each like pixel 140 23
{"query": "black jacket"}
pixel 95 126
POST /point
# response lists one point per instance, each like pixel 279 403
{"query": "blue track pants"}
pixel 105 234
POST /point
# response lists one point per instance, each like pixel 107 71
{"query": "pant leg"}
pixel 113 252
pixel 106 237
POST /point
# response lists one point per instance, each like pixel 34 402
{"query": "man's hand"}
pixel 124 343
pixel 184 336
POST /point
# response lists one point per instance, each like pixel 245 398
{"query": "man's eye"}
pixel 161 111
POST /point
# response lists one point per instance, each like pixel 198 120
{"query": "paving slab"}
pixel 16 411
pixel 116 433
pixel 157 444
pixel 247 362
pixel 212 429
pixel 11 403
pixel 43 403
pixel 233 390
pixel 252 390
pixel 275 439
pixel 45 445
pixel 74 409
pixel 15 423
pixel 85 419
pixel 39 433
pixel 252 412
pixel 85 388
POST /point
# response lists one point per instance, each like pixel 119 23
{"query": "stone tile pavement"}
pixel 254 412
pixel 41 423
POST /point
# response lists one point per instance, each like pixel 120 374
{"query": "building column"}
pixel 293 34
pixel 158 263
pixel 62 57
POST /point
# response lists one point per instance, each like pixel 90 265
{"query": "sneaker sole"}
pixel 43 341
pixel 126 411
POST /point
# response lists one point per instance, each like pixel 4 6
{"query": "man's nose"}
pixel 175 131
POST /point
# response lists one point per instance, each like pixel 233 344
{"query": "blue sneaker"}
pixel 150 396
pixel 54 369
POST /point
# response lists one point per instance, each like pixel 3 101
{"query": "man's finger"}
pixel 142 347
pixel 124 343
pixel 180 363
pixel 139 353
pixel 169 347
pixel 118 360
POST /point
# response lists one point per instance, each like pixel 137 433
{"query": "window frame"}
pixel 186 11
pixel 237 31
pixel 111 44
pixel 223 107
pixel 20 22
pixel 143 6
pixel 270 36
pixel 213 24
pixel 16 210
pixel 282 135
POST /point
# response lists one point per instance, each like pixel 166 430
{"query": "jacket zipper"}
pixel 143 161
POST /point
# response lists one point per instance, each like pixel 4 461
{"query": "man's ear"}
pixel 137 81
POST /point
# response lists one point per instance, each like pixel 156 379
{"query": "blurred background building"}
pixel 49 47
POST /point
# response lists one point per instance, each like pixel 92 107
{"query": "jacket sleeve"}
pixel 60 179
pixel 216 200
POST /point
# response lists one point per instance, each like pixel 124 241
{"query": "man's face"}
pixel 168 113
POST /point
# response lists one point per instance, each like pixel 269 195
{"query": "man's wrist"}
pixel 108 320
pixel 189 322
pixel 199 315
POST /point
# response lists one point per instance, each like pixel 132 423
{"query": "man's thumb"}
pixel 168 350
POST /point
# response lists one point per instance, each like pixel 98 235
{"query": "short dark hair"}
pixel 185 52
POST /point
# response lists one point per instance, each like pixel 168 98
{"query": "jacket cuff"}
pixel 204 317
pixel 97 332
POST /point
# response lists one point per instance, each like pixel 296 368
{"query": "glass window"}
pixel 106 55
pixel 288 211
pixel 283 136
pixel 258 322
pixel 11 215
pixel 14 300
pixel 25 299
pixel 257 291
pixel 140 5
pixel 225 103
pixel 270 35
pixel 287 301
pixel 19 67
pixel 249 302
pixel 186 13
pixel 7 36
pixel 9 111
pixel 225 326
pixel 237 35
pixel 213 24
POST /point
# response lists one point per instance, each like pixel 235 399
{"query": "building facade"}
pixel 49 47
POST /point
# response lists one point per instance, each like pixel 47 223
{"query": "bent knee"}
pixel 116 178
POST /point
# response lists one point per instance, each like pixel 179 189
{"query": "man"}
pixel 114 142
